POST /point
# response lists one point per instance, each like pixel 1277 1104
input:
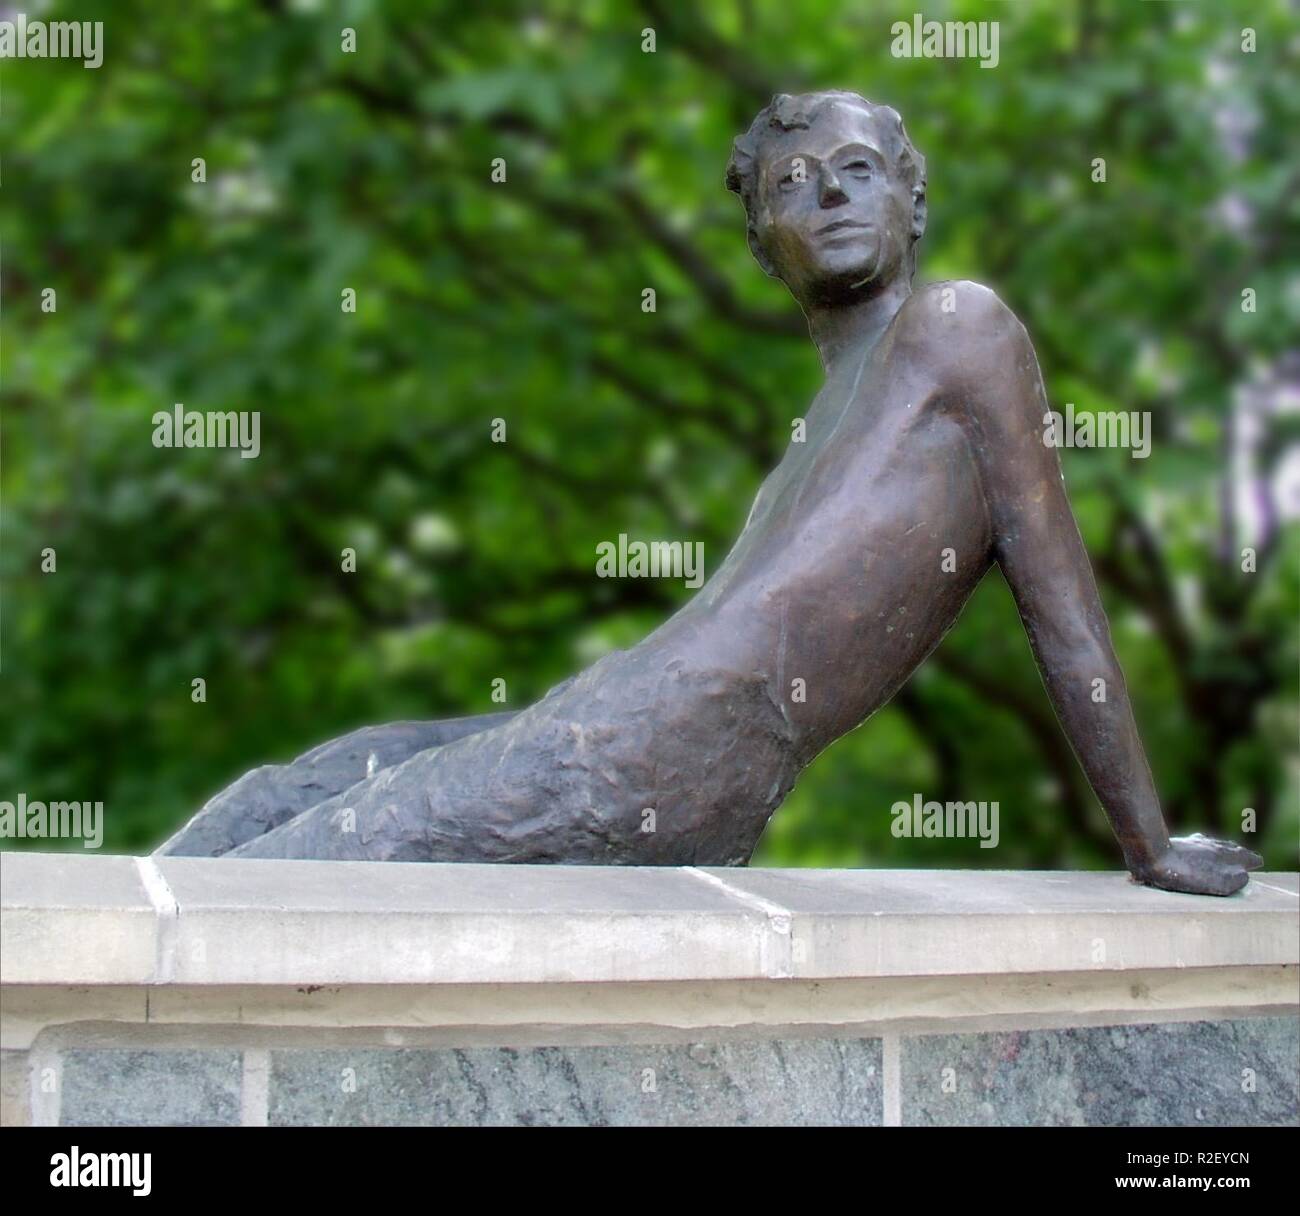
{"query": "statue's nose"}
pixel 831 192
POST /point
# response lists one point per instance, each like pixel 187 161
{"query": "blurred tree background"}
pixel 522 300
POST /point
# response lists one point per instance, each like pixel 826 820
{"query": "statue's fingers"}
pixel 1237 855
pixel 1221 850
pixel 1250 860
pixel 1197 840
pixel 1234 880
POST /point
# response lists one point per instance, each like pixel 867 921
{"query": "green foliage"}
pixel 522 300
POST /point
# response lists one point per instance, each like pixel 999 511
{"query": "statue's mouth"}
pixel 840 226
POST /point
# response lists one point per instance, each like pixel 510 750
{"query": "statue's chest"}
pixel 855 433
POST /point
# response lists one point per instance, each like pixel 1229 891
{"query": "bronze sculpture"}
pixel 924 463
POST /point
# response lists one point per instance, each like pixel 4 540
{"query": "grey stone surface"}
pixel 71 880
pixel 370 922
pixel 989 892
pixel 72 918
pixel 1168 1074
pixel 917 922
pixel 14 1106
pixel 200 885
pixel 791 1082
pixel 225 921
pixel 118 1087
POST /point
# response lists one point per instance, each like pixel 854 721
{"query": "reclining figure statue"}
pixel 924 463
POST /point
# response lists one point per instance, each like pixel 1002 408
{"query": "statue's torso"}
pixel 862 546
pixel 861 549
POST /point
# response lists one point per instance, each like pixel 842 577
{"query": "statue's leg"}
pixel 266 797
pixel 569 780
pixel 504 794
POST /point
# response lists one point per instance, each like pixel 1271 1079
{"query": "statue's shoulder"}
pixel 957 326
pixel 955 306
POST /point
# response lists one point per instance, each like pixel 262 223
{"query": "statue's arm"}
pixel 1038 546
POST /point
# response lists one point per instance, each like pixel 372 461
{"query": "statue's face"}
pixel 833 216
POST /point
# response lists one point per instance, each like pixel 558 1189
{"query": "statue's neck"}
pixel 845 331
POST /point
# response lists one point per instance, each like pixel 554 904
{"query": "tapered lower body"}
pixel 636 761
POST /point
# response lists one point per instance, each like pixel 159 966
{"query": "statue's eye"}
pixel 790 182
pixel 859 168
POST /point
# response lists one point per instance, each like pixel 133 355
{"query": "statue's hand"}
pixel 1201 866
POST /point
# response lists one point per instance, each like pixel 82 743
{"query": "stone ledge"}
pixel 67 919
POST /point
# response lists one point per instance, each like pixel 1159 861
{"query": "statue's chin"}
pixel 845 285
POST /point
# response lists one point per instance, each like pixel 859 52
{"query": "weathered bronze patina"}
pixel 924 464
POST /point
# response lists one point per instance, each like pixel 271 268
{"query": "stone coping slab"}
pixel 69 919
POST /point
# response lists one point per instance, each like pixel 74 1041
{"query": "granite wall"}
pixel 1240 1072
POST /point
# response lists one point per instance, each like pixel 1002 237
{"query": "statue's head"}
pixel 834 194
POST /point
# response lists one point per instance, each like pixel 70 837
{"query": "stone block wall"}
pixel 179 991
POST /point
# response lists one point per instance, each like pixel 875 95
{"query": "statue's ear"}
pixel 919 212
pixel 756 248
